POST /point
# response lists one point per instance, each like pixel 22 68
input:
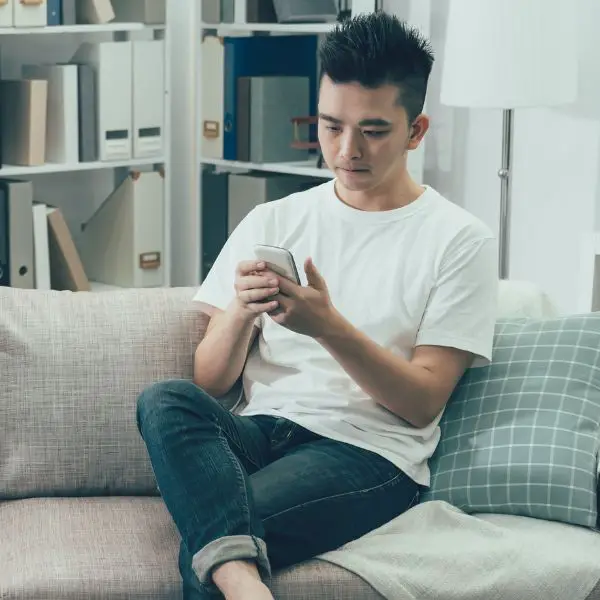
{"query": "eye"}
pixel 333 128
pixel 375 134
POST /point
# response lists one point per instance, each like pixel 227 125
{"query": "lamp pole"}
pixel 505 193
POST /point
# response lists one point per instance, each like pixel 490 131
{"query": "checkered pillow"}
pixel 522 435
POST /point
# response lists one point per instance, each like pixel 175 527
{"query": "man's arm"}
pixel 457 326
pixel 416 390
pixel 221 355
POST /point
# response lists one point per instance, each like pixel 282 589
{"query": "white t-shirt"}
pixel 425 273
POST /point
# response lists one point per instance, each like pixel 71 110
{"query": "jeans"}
pixel 258 488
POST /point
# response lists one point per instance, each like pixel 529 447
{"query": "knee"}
pixel 157 399
pixel 171 399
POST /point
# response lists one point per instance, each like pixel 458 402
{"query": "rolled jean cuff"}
pixel 228 548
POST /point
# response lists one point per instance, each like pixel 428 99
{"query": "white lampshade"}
pixel 510 53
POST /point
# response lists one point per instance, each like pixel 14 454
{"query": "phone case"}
pixel 279 260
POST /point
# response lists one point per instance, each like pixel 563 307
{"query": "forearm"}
pixel 221 355
pixel 392 381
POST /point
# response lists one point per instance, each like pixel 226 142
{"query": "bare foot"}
pixel 239 580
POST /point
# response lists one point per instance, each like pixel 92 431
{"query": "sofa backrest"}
pixel 524 299
pixel 72 366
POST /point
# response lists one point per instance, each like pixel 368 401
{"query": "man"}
pixel 352 368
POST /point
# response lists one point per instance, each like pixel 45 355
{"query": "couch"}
pixel 80 513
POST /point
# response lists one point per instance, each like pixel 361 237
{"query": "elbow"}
pixel 212 390
pixel 208 383
pixel 206 380
pixel 423 412
pixel 431 408
pixel 423 420
pixel 419 419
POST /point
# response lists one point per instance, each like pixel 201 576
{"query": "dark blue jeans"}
pixel 258 488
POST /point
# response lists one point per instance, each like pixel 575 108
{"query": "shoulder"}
pixel 455 225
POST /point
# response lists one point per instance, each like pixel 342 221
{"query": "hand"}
pixel 255 287
pixel 305 309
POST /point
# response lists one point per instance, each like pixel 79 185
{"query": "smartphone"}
pixel 279 260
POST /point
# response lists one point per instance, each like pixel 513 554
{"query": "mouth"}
pixel 354 171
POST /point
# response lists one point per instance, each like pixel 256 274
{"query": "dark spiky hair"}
pixel 375 49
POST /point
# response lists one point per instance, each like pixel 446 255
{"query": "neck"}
pixel 393 193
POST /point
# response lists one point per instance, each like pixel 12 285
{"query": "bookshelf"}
pixel 80 188
pixel 187 158
pixel 306 168
pixel 18 171
pixel 72 29
pixel 189 162
pixel 229 28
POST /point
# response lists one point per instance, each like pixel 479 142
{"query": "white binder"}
pixel 7 18
pixel 94 12
pixel 20 232
pixel 123 242
pixel 151 12
pixel 148 98
pixel 113 62
pixel 62 126
pixel 41 246
pixel 211 103
pixel 30 13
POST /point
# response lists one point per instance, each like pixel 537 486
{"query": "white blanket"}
pixel 436 552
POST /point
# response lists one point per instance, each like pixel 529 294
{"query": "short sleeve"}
pixel 217 288
pixel 462 308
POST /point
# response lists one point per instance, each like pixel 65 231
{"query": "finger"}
pixel 263 307
pixel 246 267
pixel 288 287
pixel 255 281
pixel 313 276
pixel 257 294
pixel 282 301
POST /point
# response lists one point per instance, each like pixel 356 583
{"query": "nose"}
pixel 350 146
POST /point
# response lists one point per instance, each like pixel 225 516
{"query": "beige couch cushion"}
pixel 72 366
pixel 122 548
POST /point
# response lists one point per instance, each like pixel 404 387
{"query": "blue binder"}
pixel 259 56
pixel 4 233
pixel 54 12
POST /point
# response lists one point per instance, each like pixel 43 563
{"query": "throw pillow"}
pixel 521 436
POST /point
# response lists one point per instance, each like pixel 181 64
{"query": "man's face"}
pixel 364 133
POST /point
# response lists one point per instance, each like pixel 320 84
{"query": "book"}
pixel 24 109
pixel 66 268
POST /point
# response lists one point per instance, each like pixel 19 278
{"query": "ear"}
pixel 418 130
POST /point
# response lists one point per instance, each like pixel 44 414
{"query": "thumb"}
pixel 313 276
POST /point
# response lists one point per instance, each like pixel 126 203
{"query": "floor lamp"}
pixel 509 54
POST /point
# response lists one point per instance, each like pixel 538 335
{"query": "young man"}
pixel 352 368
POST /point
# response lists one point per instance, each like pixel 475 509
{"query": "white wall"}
pixel 556 176
pixel 556 163
pixel 463 146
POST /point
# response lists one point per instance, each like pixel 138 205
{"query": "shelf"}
pixel 87 29
pixel 17 171
pixel 306 168
pixel 224 28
